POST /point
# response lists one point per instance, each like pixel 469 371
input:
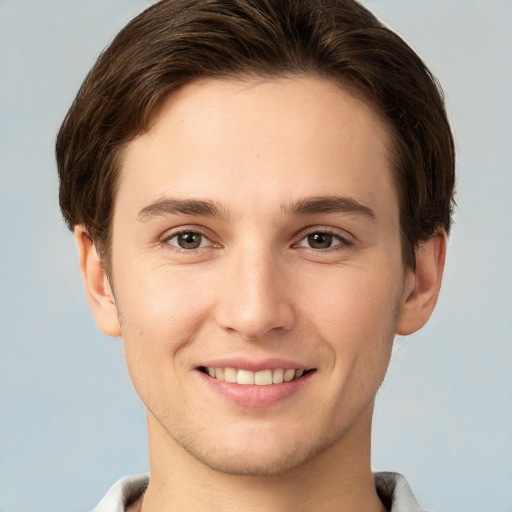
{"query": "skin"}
pixel 259 286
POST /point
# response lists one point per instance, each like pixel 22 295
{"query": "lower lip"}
pixel 253 395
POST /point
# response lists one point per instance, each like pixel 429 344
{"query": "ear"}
pixel 422 285
pixel 99 293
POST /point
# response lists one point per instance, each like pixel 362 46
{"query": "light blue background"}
pixel 70 422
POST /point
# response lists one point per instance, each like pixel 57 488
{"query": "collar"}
pixel 392 488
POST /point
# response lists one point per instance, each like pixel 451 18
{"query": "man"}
pixel 261 192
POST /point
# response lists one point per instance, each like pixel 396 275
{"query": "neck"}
pixel 340 478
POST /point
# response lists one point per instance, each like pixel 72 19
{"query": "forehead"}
pixel 259 141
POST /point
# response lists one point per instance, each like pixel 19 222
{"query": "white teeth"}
pixel 261 378
pixel 230 374
pixel 245 377
pixel 277 376
pixel 289 375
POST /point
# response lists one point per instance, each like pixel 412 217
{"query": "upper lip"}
pixel 254 365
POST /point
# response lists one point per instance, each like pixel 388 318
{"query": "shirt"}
pixel 392 488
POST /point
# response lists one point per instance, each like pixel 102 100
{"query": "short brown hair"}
pixel 177 41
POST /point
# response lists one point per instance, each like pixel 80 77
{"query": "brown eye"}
pixel 320 240
pixel 324 240
pixel 188 240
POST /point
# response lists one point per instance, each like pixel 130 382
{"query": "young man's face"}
pixel 256 228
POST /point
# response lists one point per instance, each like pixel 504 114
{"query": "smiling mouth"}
pixel 259 378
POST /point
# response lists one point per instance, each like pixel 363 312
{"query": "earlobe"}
pixel 97 287
pixel 422 285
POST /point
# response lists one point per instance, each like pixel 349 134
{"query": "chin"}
pixel 249 465
pixel 258 458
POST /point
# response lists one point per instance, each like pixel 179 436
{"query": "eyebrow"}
pixel 329 204
pixel 171 206
pixel 208 208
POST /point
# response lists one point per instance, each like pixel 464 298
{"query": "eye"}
pixel 321 240
pixel 189 240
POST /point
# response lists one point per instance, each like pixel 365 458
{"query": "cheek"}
pixel 356 299
pixel 160 314
pixel 357 317
pixel 162 303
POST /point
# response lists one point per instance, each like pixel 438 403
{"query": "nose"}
pixel 255 301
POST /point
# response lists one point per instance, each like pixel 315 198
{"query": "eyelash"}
pixel 344 242
pixel 193 231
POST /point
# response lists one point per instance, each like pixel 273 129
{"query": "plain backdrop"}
pixel 70 423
